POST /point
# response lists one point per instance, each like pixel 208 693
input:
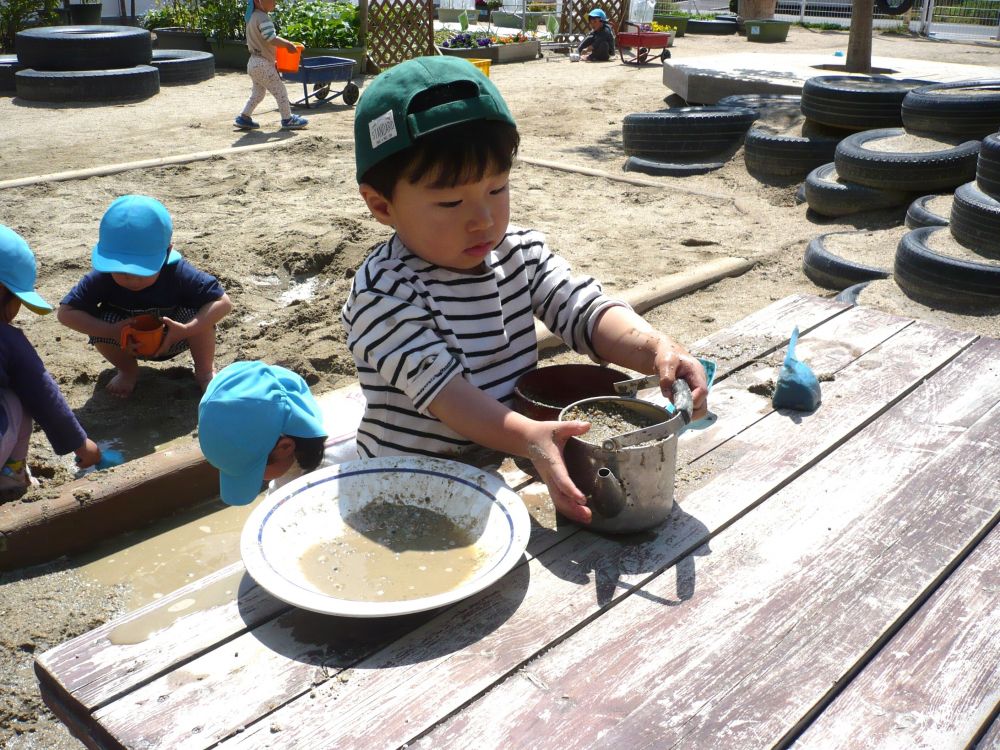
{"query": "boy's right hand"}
pixel 545 450
pixel 87 454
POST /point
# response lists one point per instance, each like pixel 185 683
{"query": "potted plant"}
pixel 515 47
pixel 766 30
pixel 85 13
pixel 324 27
pixel 175 24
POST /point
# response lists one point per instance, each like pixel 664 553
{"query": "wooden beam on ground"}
pixel 649 294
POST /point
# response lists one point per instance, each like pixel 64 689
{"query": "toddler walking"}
pixel 262 40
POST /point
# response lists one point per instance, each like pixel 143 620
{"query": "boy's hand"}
pixel 175 332
pixel 87 454
pixel 291 46
pixel 545 450
pixel 673 362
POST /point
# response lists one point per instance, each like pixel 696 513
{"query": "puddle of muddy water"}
pixel 173 552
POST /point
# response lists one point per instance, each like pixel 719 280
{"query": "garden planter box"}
pixel 230 54
pixel 85 14
pixel 500 53
pixel 678 22
pixel 178 38
pixel 450 15
pixel 767 31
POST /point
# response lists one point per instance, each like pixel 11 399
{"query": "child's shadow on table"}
pixel 162 408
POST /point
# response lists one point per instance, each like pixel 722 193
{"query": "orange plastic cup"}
pixel 288 62
pixel 146 333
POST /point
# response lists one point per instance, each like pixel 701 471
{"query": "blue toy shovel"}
pixel 109 457
pixel 797 387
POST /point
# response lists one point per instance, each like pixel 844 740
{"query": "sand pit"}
pixel 284 229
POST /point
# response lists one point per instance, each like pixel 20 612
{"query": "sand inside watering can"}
pixel 608 419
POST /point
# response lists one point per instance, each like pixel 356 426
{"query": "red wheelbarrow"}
pixel 638 47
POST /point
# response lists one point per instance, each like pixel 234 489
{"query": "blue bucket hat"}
pixel 598 13
pixel 18 270
pixel 135 236
pixel 245 409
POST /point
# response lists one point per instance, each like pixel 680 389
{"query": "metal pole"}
pixel 925 18
pixel 802 11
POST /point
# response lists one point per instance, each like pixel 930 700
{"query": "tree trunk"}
pixel 859 44
pixel 756 10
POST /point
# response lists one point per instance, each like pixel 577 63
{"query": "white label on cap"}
pixel 382 129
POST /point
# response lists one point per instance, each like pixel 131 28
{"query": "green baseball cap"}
pixel 383 124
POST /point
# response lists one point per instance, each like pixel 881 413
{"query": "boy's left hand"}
pixel 545 450
pixel 175 332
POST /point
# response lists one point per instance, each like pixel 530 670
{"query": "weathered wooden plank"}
pixel 406 687
pixel 786 601
pixel 991 737
pixel 937 681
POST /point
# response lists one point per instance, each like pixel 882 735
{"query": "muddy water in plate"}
pixel 392 552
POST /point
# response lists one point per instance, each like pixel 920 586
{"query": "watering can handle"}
pixel 683 401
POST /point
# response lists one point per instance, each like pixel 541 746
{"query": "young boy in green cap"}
pixel 28 393
pixel 440 318
pixel 137 272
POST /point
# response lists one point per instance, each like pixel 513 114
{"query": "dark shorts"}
pixel 180 314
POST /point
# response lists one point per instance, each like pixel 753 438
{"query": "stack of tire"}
pixel 954 262
pixel 104 64
pixel 951 256
pixel 684 140
pixel 891 164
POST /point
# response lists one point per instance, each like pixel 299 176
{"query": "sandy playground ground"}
pixel 284 229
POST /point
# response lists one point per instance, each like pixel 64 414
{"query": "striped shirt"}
pixel 412 326
pixel 260 32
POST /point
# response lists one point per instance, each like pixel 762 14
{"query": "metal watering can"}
pixel 629 479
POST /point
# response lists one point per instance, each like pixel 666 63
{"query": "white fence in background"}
pixel 941 19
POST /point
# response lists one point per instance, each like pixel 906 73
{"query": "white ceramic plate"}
pixel 312 509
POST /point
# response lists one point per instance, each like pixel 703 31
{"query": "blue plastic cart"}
pixel 320 73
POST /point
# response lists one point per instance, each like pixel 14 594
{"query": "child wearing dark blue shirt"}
pixel 137 272
pixel 28 392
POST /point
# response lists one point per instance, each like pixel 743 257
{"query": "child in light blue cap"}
pixel 262 40
pixel 599 44
pixel 28 392
pixel 137 272
pixel 257 423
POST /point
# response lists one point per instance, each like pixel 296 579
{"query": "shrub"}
pixel 175 13
pixel 17 15
pixel 317 23
pixel 223 19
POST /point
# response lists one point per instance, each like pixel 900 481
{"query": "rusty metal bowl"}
pixel 544 392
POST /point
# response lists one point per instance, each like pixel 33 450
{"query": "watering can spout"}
pixel 608 497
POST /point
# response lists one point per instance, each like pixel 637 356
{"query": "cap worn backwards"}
pixel 245 409
pixel 598 13
pixel 384 125
pixel 134 238
pixel 18 270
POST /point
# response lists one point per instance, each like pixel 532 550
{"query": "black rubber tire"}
pixel 120 84
pixel 685 134
pixel 850 295
pixel 718 27
pixel 967 109
pixel 856 102
pixel 939 280
pixel 828 270
pixel 63 48
pixel 9 65
pixel 669 169
pixel 181 66
pixel 800 194
pixel 988 166
pixel 351 93
pixel 975 220
pixel 767 106
pixel 786 155
pixel 919 215
pixel 923 172
pixel 829 195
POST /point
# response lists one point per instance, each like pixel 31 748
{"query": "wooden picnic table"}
pixel 826 580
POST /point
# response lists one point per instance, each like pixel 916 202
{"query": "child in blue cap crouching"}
pixel 440 318
pixel 137 272
pixel 258 423
pixel 599 44
pixel 28 393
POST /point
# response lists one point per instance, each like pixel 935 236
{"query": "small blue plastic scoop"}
pixel 797 387
pixel 109 457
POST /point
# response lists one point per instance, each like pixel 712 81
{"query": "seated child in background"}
pixel 259 422
pixel 136 272
pixel 440 318
pixel 27 390
pixel 599 44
